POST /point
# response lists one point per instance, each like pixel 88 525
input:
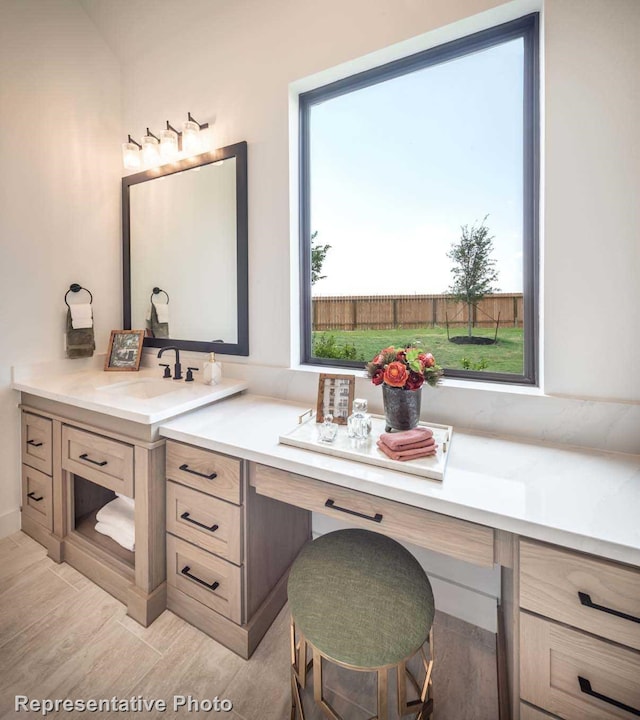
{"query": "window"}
pixel 419 202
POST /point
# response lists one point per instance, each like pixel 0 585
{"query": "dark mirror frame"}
pixel 239 152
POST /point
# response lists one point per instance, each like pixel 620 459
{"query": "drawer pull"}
pixel 33 443
pixel 588 602
pixel 331 504
pixel 99 463
pixel 185 571
pixel 585 687
pixel 32 495
pixel 186 468
pixel 185 516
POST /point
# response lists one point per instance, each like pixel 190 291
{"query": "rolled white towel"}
pixel 124 538
pixel 162 311
pixel 81 315
pixel 118 513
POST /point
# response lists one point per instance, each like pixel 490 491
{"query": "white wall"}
pixel 59 195
pixel 239 62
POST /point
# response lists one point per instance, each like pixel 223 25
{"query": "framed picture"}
pixel 125 350
pixel 335 396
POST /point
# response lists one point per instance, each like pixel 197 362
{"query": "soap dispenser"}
pixel 212 370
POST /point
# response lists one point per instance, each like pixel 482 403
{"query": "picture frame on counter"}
pixel 125 350
pixel 335 397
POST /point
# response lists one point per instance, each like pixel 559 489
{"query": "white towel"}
pixel 162 311
pixel 117 513
pixel 81 315
pixel 124 538
pixel 129 501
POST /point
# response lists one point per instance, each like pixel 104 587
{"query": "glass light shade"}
pixel 130 156
pixel 168 144
pixel 191 143
pixel 150 152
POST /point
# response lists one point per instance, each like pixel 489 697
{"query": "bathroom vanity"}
pixel 232 508
pixel 85 437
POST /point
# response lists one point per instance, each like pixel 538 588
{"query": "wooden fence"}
pixel 382 312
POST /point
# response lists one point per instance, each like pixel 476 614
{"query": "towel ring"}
pixel 74 288
pixel 157 291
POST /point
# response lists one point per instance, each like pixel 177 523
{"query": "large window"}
pixel 419 208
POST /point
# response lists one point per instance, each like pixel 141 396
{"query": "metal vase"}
pixel 401 407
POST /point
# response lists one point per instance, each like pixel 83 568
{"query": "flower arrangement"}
pixel 406 368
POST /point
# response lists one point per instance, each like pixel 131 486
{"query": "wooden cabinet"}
pixel 457 538
pixel 229 549
pixel 73 463
pixel 578 675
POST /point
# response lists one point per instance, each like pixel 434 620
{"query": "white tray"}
pixel 306 436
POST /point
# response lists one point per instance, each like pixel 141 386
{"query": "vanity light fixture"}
pixel 166 148
pixel 150 152
pixel 191 143
pixel 131 154
pixel 170 143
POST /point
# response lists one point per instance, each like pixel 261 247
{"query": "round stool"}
pixel 362 601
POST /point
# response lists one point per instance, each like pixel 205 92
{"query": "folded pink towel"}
pixel 407 439
pixel 408 454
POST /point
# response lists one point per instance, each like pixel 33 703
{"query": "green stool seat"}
pixel 361 599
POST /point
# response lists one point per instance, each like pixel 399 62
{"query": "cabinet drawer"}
pixel 530 713
pixel 103 461
pixel 37 496
pixel 212 581
pixel 457 538
pixel 36 442
pixel 204 470
pixel 574 675
pixel 596 595
pixel 212 524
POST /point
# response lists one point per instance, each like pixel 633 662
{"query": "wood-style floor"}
pixel 61 636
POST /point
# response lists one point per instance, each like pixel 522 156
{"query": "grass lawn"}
pixel 505 356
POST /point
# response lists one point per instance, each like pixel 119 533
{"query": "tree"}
pixel 473 270
pixel 318 254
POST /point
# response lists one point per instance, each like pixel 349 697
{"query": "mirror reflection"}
pixel 186 253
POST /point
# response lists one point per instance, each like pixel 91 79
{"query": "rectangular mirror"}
pixel 185 253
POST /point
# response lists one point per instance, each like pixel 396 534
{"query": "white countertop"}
pixel 585 500
pixel 97 390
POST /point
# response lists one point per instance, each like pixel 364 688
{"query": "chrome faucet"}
pixel 177 369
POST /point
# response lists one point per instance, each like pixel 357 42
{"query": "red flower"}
pixel 427 359
pixel 378 377
pixel 395 374
pixel 401 355
pixel 415 381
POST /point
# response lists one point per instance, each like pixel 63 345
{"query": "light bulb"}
pixel 150 153
pixel 191 144
pixel 168 144
pixel 130 156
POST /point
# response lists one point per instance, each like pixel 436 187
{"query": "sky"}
pixel 398 167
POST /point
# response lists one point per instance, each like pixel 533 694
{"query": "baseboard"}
pixel 9 523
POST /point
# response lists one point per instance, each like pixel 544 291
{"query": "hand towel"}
pixel 127 500
pixel 117 513
pixel 162 310
pixel 158 329
pixel 406 440
pixel 408 454
pixel 80 342
pixel 122 537
pixel 81 316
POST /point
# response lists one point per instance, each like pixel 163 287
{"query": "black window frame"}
pixel 527 28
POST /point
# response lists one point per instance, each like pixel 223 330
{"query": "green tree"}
pixel 318 254
pixel 473 270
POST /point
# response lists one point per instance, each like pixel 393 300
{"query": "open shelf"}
pixel 86 526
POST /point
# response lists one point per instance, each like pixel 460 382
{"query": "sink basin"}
pixel 142 388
